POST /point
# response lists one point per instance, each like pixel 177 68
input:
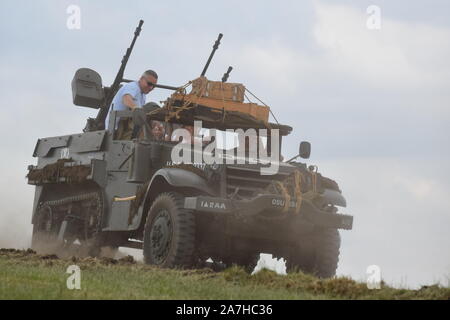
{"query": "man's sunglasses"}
pixel 150 84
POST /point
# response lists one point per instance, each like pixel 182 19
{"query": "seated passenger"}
pixel 158 131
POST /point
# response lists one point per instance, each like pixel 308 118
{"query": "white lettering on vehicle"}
pixel 65 153
pixel 281 203
pixel 213 205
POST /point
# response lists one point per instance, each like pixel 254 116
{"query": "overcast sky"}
pixel 375 104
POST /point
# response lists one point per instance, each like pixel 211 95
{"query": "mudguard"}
pixel 182 178
pixel 176 177
pixel 334 197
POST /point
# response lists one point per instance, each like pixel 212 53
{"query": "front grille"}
pixel 247 181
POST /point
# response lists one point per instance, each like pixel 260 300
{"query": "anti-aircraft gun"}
pixel 94 190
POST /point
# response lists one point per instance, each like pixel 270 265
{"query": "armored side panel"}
pixel 68 160
pixel 87 88
pixel 139 170
pixel 81 148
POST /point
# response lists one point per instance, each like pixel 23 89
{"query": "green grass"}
pixel 26 275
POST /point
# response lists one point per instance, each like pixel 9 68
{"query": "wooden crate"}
pixel 218 90
pixel 257 111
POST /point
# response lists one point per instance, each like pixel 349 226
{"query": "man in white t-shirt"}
pixel 132 95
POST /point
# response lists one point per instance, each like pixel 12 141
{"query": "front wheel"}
pixel 322 258
pixel 169 233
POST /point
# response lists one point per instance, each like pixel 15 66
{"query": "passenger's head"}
pixel 147 81
pixel 158 131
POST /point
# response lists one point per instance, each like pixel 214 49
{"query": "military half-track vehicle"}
pixel 96 190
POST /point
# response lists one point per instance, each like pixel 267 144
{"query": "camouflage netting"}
pixel 298 187
pixel 290 188
pixel 55 171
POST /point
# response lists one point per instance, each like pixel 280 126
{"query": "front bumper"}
pixel 269 202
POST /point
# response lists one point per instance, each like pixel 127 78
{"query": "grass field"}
pixel 26 275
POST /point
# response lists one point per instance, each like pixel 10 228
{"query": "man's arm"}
pixel 128 101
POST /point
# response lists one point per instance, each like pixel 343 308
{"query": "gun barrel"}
pixel 103 112
pixel 227 74
pixel 215 47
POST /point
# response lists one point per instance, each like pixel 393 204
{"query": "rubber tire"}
pixel 324 258
pixel 182 243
